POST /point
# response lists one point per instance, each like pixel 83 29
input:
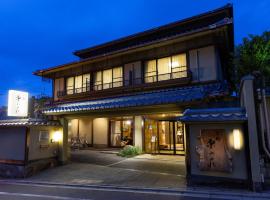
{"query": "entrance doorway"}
pixel 164 137
pixel 121 132
pixel 170 137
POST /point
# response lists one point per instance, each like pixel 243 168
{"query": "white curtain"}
pixel 150 71
pixel 107 78
pixel 117 76
pixel 70 85
pixel 97 80
pixel 179 66
pixel 78 84
pixel 164 68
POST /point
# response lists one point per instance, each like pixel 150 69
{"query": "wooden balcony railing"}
pixel 119 83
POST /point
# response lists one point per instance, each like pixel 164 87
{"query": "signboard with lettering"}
pixel 17 103
pixel 213 151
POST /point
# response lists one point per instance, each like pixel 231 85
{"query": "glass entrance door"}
pixel 151 136
pixel 170 137
pixel 166 137
pixel 179 138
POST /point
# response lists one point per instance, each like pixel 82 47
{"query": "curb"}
pixel 191 192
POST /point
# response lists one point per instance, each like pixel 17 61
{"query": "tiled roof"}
pixel 28 122
pixel 165 37
pixel 210 19
pixel 157 35
pixel 214 115
pixel 158 97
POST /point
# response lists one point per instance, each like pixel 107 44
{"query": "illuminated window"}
pixel 98 80
pixel 121 132
pixel 78 84
pixel 166 68
pixel 179 66
pixel 107 79
pixel 117 77
pixel 150 71
pixel 70 85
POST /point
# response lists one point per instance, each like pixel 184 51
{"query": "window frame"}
pixel 171 69
pixel 44 136
pixel 74 89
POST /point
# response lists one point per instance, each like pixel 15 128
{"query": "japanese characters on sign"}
pixel 17 103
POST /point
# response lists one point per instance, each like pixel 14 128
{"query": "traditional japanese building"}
pixel 132 90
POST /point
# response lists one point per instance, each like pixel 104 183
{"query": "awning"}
pixel 28 122
pixel 158 97
pixel 214 115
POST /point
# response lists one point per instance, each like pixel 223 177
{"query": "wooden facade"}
pixel 206 41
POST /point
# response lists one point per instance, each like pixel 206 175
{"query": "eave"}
pixel 177 38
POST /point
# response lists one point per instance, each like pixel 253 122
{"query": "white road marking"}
pixel 152 172
pixel 116 163
pixel 38 196
pixel 144 171
pixel 180 192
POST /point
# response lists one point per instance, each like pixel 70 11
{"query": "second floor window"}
pixel 70 85
pixel 98 80
pixel 117 77
pixel 78 84
pixel 150 71
pixel 166 68
pixel 179 66
pixel 108 78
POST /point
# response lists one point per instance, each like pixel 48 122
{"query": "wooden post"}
pixel 63 156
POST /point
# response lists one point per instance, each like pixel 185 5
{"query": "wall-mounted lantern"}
pixel 56 137
pixel 237 139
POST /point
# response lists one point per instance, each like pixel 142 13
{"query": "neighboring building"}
pixel 28 146
pixel 132 90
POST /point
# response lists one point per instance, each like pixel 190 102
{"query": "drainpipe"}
pixel 264 121
pixel 266 117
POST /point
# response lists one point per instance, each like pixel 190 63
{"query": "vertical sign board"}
pixel 17 103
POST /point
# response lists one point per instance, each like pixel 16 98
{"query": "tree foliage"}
pixel 253 54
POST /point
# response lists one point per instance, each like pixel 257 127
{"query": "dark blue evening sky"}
pixel 39 34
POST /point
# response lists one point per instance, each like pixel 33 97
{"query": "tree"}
pixel 253 54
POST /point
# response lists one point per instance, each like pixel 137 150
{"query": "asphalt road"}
pixel 16 191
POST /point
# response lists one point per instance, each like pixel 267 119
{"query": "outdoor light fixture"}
pixel 237 139
pixel 57 137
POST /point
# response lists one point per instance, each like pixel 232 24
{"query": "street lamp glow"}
pixel 57 136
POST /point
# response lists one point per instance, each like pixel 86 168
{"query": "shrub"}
pixel 130 151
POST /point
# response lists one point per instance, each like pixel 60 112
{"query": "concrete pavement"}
pixel 99 168
pixel 103 175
